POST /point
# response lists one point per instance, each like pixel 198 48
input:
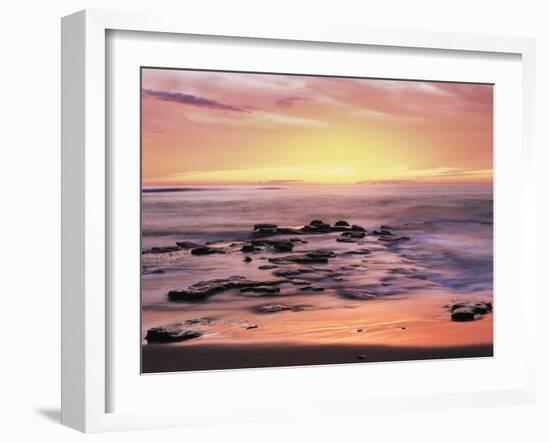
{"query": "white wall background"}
pixel 30 220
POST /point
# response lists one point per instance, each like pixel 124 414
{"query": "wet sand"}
pixel 171 358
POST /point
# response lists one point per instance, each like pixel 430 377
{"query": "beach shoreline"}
pixel 163 358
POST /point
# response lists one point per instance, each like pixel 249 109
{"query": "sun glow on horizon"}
pixel 235 128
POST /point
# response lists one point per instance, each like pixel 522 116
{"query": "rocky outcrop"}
pixel 172 333
pixel 202 290
pixel 468 311
pixel 206 250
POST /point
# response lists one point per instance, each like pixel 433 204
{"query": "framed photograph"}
pixel 298 221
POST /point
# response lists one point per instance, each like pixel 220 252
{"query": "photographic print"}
pixel 291 220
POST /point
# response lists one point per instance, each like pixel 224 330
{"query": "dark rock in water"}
pixel 247 259
pixel 205 250
pixel 383 227
pixel 249 248
pixel 152 271
pixel 173 333
pixel 478 308
pixel 279 245
pixel 316 228
pixel 288 231
pixel 393 238
pixel 272 308
pixel 353 234
pixel 356 294
pixel 357 252
pixel 340 229
pixel 287 273
pixel 314 257
pixel 265 226
pixel 359 330
pixel 463 314
pixel 264 232
pixel 250 327
pixel 347 240
pixel 317 223
pixel 261 289
pixel 187 245
pixel 382 233
pixel 341 223
pixel 202 290
pixel 358 228
pixel 312 288
pixel 275 308
pixel 266 267
pixel 199 321
pixel 300 282
pixel 154 250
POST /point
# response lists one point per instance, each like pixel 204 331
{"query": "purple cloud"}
pixel 288 101
pixel 192 100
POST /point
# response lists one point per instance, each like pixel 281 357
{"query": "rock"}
pixel 187 245
pixel 341 223
pixel 315 257
pixel 312 288
pixel 250 327
pixel 463 314
pixel 275 308
pixel 356 294
pixel 317 223
pixel 357 252
pixel 288 231
pixel 205 250
pixel 279 245
pixel 266 267
pixel 154 250
pixel 265 226
pixel 355 234
pixel 382 232
pixel 249 248
pixel 202 290
pixel 359 330
pixel 287 273
pixel 247 259
pixel 264 232
pixel 261 289
pixel 478 308
pixel 346 240
pixel 300 282
pixel 272 308
pixel 173 333
pixel 393 238
pixel 358 228
pixel 152 271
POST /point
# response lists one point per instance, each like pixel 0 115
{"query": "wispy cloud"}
pixel 189 99
pixel 287 102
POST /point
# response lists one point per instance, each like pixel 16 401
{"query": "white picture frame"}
pixel 86 206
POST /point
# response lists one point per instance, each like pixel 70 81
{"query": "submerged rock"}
pixel 202 290
pixel 206 250
pixel 313 257
pixel 393 238
pixel 261 289
pixel 172 333
pixel 275 308
pixel 312 288
pixel 463 314
pixel 341 223
pixel 266 267
pixel 272 308
pixel 356 294
pixel 265 226
pixel 468 311
pixel 355 234
pixel 249 248
pixel 247 259
pixel 154 250
pixel 358 228
pixel 187 245
pixel 279 245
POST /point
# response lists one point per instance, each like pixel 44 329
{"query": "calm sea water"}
pixel 450 226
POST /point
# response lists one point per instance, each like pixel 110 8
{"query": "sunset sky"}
pixel 232 128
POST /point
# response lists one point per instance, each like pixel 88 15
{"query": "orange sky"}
pixel 231 128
